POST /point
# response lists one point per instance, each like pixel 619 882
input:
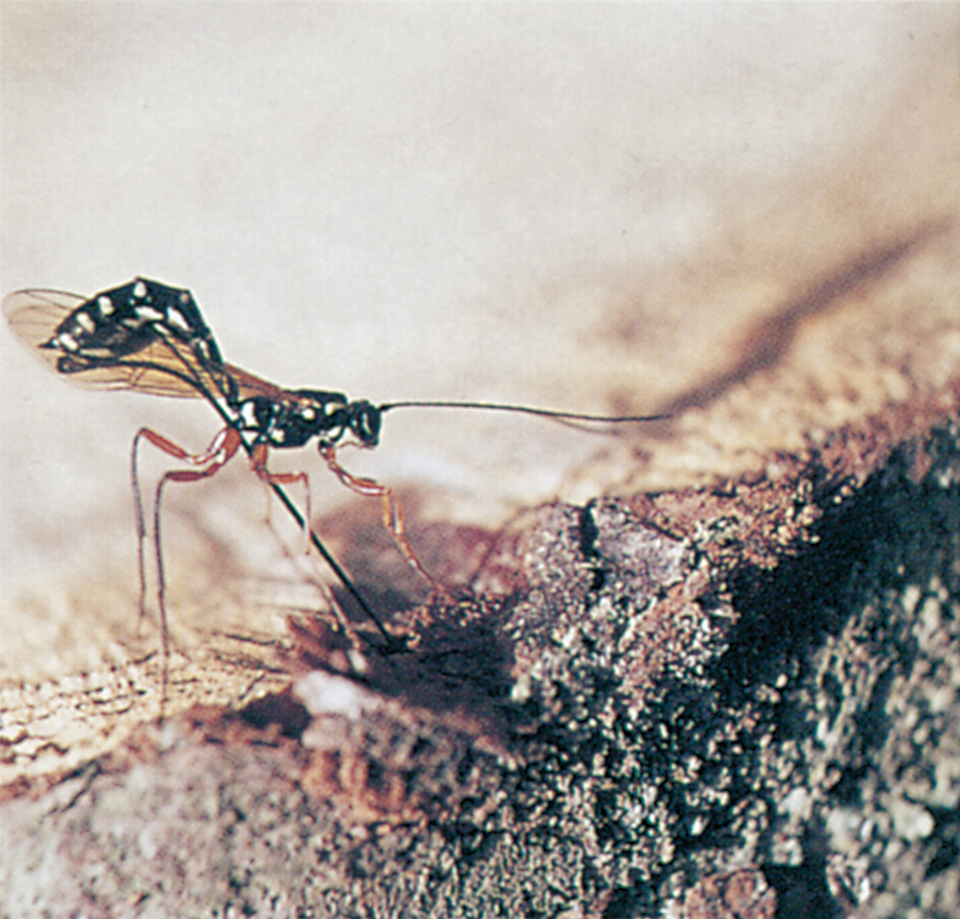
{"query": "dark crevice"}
pixel 588 533
pixel 891 533
pixel 280 709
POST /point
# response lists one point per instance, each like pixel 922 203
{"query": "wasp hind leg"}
pixel 258 461
pixel 221 450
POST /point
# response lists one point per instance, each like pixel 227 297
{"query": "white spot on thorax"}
pixel 140 290
pixel 247 415
pixel 149 314
pixel 66 340
pixel 106 306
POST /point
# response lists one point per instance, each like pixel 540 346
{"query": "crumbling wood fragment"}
pixel 735 701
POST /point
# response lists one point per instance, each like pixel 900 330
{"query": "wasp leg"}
pixel 221 450
pixel 392 512
pixel 218 444
pixel 258 462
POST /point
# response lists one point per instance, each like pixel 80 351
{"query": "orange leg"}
pixel 392 512
pixel 221 450
pixel 258 462
pixel 355 654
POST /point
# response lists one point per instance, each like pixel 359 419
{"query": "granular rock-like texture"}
pixel 735 703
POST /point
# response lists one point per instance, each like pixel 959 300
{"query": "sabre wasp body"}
pixel 151 338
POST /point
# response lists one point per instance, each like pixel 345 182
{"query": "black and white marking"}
pixel 124 320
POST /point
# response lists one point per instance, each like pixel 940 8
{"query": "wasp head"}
pixel 364 422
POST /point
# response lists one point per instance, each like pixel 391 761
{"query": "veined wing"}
pixel 162 367
pixel 34 316
pixel 250 386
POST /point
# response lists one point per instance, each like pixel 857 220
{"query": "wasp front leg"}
pixel 392 512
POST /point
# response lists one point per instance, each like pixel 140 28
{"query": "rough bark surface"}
pixel 738 701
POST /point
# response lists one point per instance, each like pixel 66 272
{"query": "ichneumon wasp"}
pixel 151 338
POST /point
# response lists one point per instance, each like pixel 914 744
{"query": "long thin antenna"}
pixel 522 409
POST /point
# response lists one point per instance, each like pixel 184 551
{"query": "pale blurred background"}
pixel 746 212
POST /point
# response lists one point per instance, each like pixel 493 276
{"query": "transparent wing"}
pixel 249 386
pixel 34 316
pixel 160 368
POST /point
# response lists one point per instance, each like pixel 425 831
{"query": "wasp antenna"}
pixel 523 409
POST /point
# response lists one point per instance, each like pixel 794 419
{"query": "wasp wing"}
pixel 160 368
pixel 163 367
pixel 34 316
pixel 250 386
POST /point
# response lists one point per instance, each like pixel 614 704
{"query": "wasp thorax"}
pixel 292 418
